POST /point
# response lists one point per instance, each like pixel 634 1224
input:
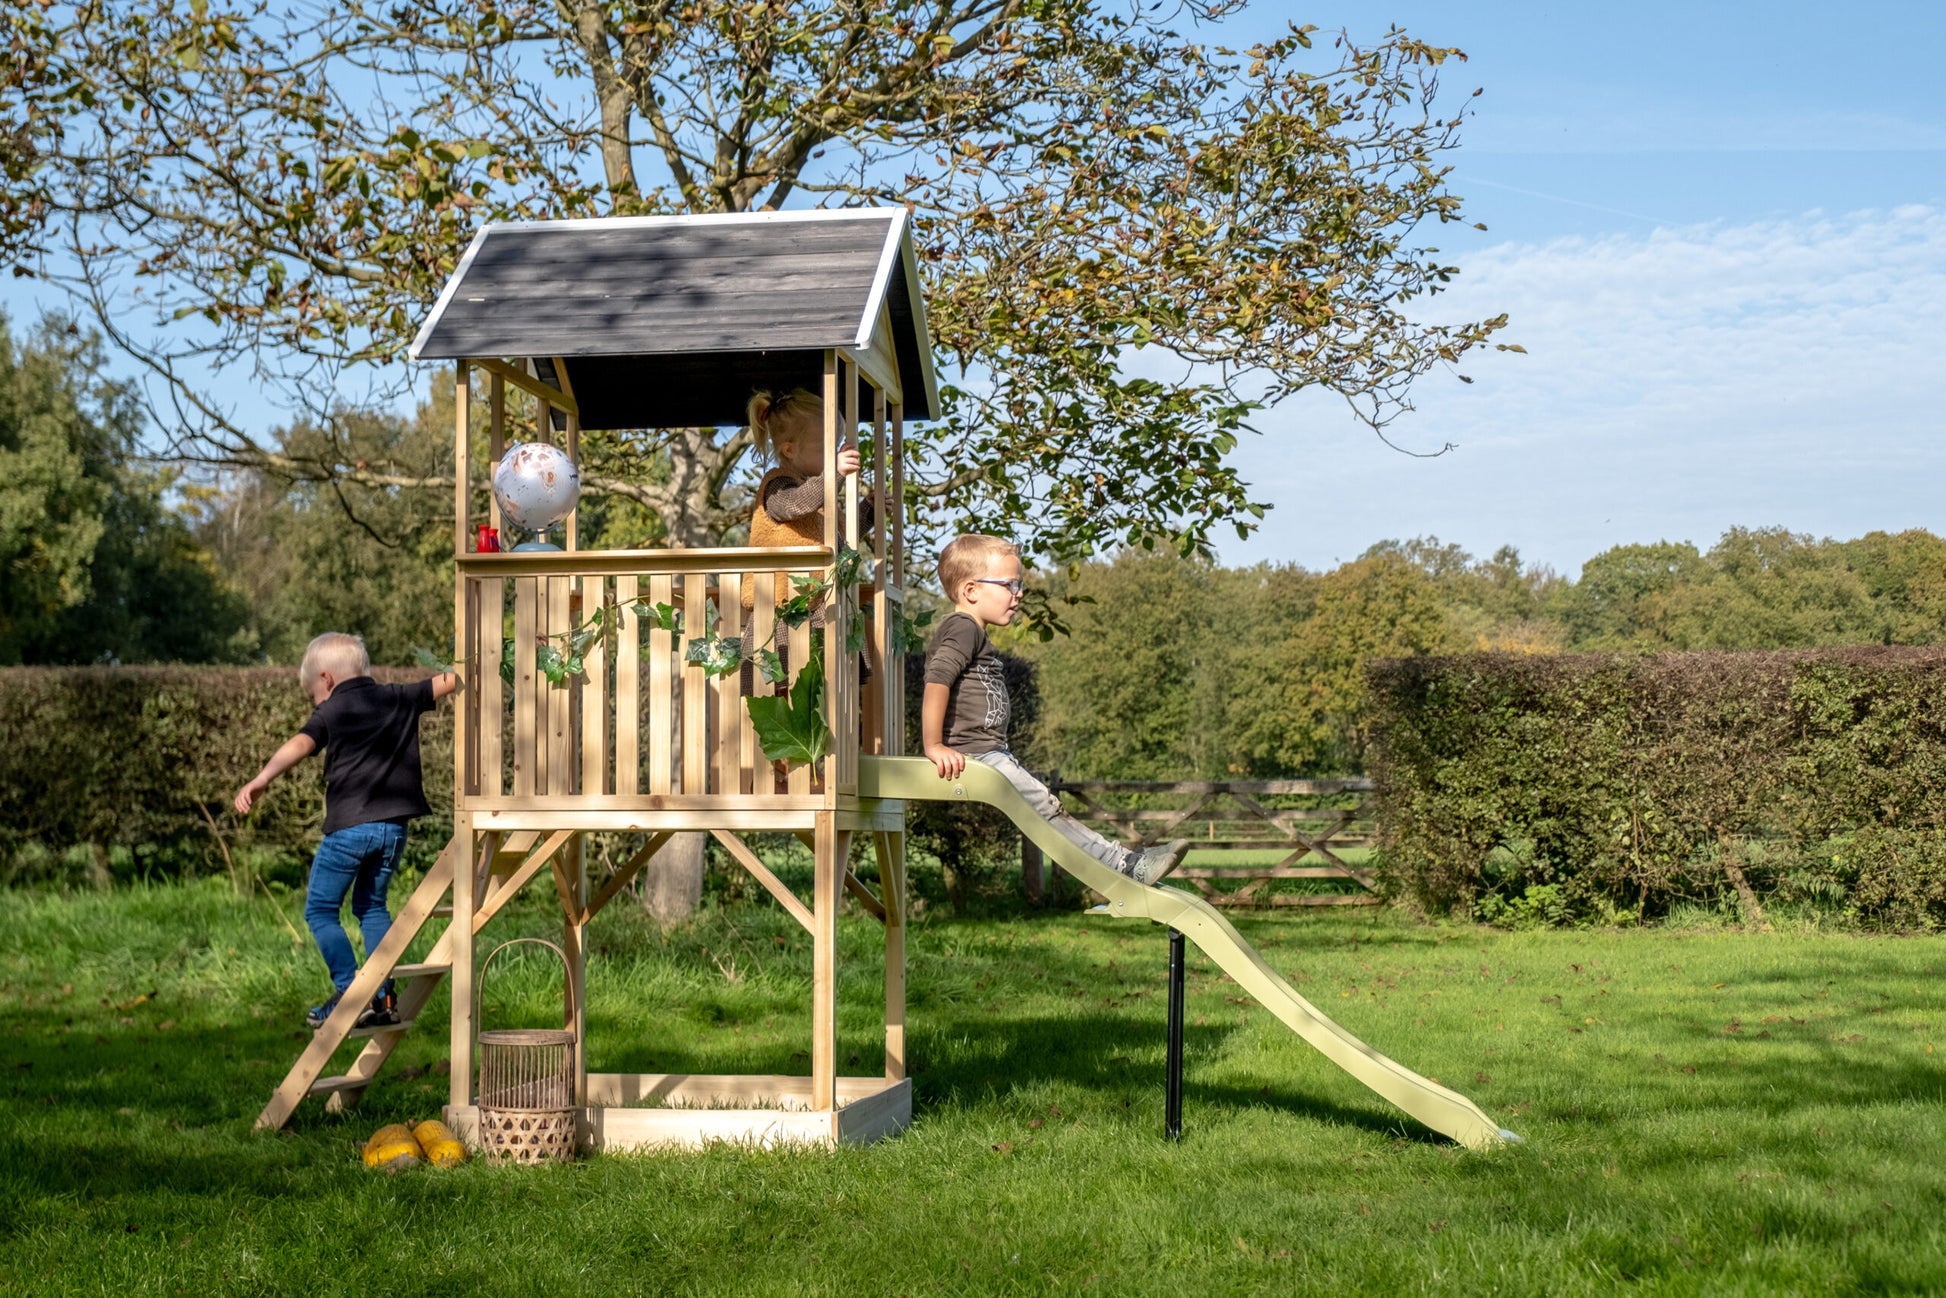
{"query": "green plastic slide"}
pixel 1446 1112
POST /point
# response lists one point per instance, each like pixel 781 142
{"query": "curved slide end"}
pixel 1445 1111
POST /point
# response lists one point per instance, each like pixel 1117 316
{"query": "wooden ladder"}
pixel 420 980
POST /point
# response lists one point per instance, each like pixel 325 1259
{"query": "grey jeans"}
pixel 1045 804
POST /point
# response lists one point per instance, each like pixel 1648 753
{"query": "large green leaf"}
pixel 791 726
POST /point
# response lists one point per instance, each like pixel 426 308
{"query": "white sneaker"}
pixel 1151 867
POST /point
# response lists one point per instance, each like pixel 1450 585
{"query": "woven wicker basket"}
pixel 526 1085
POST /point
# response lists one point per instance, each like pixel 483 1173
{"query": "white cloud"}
pixel 1779 372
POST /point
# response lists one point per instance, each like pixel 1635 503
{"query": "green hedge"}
pixel 107 773
pixel 1605 783
pixel 128 771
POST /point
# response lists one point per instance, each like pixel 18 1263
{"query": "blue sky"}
pixel 1720 231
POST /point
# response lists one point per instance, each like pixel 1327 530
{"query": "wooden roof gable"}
pixel 666 321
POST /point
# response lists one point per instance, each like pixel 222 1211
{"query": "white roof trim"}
pixel 689 218
pixel 927 380
pixel 882 276
pixel 446 294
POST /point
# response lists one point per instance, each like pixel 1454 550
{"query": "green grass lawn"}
pixel 1704 1111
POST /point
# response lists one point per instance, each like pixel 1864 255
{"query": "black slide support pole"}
pixel 1172 1096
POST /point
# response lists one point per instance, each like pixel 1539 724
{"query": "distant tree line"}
pixel 1177 668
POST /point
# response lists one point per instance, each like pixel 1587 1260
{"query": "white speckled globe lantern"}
pixel 537 486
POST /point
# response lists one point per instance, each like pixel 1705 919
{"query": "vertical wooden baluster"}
pixel 595 694
pixel 662 725
pixel 728 722
pixel 800 642
pixel 542 698
pixel 763 620
pixel 628 688
pixel 560 731
pixel 488 688
pixel 526 705
pixel 695 689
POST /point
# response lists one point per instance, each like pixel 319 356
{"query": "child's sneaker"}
pixel 1150 867
pixel 315 1017
pixel 383 1011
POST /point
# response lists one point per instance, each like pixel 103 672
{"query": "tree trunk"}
pixel 1752 909
pixel 673 884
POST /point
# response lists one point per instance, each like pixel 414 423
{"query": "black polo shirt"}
pixel 370 737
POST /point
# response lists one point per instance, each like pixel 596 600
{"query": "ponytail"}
pixel 770 415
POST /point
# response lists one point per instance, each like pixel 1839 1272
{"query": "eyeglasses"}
pixel 1014 585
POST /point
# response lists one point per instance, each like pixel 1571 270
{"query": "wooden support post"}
pixel 496 442
pixel 571 525
pixel 1033 877
pixel 895 672
pixel 467 704
pixel 835 407
pixel 459 944
pixel 891 890
pixel 830 851
pixel 878 719
pixel 573 927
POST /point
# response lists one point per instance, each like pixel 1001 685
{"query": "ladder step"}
pixel 327 1085
pixel 441 912
pixel 420 970
pixel 379 1031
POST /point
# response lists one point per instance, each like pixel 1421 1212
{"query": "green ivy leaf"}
pixel 771 666
pixel 549 662
pixel 427 658
pixel 849 571
pixel 909 630
pixel 795 611
pixel 716 655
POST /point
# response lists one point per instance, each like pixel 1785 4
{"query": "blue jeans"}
pixel 359 861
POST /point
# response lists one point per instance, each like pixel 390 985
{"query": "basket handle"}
pixel 479 979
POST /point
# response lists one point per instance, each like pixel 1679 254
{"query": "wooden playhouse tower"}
pixel 662 322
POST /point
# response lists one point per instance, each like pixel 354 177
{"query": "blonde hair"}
pixel 340 654
pixel 967 558
pixel 775 419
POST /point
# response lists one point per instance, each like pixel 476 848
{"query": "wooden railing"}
pixel 639 726
pixel 1236 816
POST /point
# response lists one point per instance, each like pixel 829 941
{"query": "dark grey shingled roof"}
pixel 674 321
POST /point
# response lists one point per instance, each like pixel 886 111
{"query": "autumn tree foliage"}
pixel 275 190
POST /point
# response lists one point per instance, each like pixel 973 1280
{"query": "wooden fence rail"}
pixel 1231 817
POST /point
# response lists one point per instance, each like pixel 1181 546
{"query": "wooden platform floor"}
pixel 695 1110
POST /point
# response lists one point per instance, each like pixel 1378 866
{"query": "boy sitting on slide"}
pixel 965 708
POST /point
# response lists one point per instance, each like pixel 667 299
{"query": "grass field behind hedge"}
pixel 1704 1111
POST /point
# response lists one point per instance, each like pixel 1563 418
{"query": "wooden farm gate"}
pixel 1300 818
